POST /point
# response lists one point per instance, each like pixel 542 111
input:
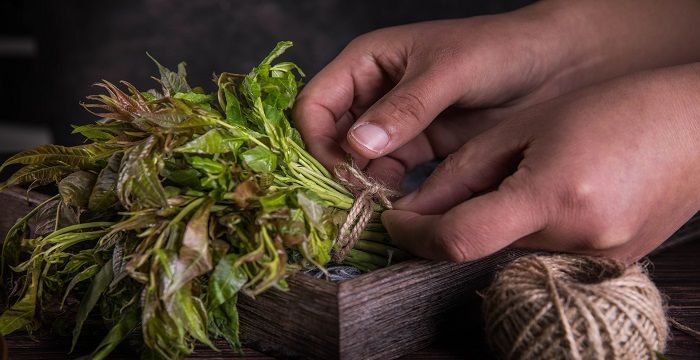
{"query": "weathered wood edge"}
pixel 403 308
pixel 299 322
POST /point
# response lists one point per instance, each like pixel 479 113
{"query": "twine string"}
pixel 368 192
pixel 561 306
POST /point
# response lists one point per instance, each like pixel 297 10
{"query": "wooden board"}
pixel 384 314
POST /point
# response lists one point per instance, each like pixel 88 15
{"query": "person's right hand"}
pixel 400 96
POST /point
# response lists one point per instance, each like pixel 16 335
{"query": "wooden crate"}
pixel 380 315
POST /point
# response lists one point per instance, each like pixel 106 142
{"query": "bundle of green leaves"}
pixel 178 201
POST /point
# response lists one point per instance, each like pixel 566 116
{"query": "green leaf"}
pixel 224 284
pixel 661 356
pixel 87 273
pixel 224 322
pixel 183 177
pixel 191 312
pixel 75 188
pixel 225 281
pixel 21 314
pixel 195 98
pixel 260 159
pixel 104 193
pixel 92 295
pixel 214 141
pixel 279 49
pixel 126 324
pixel 173 82
pixel 206 165
pixel 233 108
pixel 194 257
pixel 92 132
pixel 274 201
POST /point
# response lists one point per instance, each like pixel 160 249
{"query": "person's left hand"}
pixel 610 170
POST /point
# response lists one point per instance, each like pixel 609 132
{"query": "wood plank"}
pixel 406 306
pixel 300 322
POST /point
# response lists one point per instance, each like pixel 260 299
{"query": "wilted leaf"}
pixel 312 209
pixel 194 257
pixel 78 156
pixel 55 215
pixel 38 173
pixel 279 49
pixel 75 188
pixel 126 324
pixel 138 183
pixel 104 193
pixel 21 314
pixel 92 295
pixel 173 82
pixel 245 193
pixel 87 273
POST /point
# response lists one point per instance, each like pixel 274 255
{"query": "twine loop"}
pixel 368 192
pixel 574 307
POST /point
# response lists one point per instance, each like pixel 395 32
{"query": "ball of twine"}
pixel 574 307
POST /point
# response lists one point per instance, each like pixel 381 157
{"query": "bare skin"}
pixel 604 169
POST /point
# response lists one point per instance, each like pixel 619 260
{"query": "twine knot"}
pixel 574 307
pixel 368 192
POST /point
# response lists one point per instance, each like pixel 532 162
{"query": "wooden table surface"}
pixel 676 271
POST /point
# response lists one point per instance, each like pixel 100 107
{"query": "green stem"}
pixel 358 256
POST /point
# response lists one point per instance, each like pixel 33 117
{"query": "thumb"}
pixel 401 114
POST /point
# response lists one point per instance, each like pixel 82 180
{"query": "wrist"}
pixel 596 40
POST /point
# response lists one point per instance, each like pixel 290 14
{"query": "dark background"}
pixel 52 51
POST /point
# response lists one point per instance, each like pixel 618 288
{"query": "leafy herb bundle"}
pixel 179 201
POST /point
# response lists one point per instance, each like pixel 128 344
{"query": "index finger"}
pixel 478 227
pixel 326 107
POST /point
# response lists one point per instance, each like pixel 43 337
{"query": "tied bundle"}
pixel 179 201
pixel 574 307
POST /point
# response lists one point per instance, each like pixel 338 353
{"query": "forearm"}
pixel 594 40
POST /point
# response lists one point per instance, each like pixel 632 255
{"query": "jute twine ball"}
pixel 574 307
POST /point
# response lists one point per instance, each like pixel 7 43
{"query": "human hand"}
pixel 398 80
pixel 392 83
pixel 610 170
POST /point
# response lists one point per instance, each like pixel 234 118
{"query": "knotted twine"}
pixel 367 192
pixel 574 307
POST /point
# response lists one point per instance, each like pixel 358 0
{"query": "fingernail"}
pixel 405 201
pixel 370 136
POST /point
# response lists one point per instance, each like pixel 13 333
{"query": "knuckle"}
pixel 579 195
pixel 449 243
pixel 405 108
pixel 449 168
pixel 591 211
pixel 462 243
